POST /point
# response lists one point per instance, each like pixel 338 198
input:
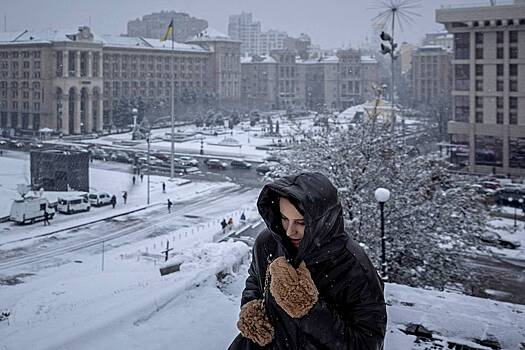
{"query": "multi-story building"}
pixel 431 75
pixel 271 40
pixel 445 40
pixel 489 86
pixel 155 25
pixel 290 88
pixel 301 45
pixel 283 80
pixel 224 64
pixel 253 40
pixel 369 77
pixel 259 82
pixel 242 27
pixel 77 82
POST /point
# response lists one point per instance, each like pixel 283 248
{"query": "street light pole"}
pixel 510 199
pixel 382 195
pixel 148 161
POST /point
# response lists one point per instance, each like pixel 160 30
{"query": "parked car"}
pixel 504 194
pixel 98 153
pixel 98 199
pixel 162 156
pixel 30 210
pixel 216 164
pixel 74 204
pixel 121 157
pixel 189 161
pixel 16 144
pixel 273 159
pixel 241 164
pixel 492 185
pixel 266 167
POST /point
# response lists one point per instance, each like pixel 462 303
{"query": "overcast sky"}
pixel 330 23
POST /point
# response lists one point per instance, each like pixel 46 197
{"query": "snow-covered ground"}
pixel 248 138
pixel 72 291
pixel 130 306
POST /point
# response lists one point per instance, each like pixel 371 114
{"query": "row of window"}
pixel 462 109
pixel 462 45
pixel 20 54
pixel 14 121
pixel 15 104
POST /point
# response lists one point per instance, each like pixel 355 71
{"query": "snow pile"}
pixel 105 309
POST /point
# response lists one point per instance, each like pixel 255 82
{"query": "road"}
pixel 503 278
pixel 155 221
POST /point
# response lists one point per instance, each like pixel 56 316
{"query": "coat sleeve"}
pixel 359 323
pixel 252 289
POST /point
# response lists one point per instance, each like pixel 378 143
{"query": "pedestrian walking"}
pixel 134 179
pixel 309 286
pixel 125 196
pixel 223 225
pixel 46 218
pixel 141 177
pixel 163 187
pixel 113 201
pixel 169 205
pixel 243 217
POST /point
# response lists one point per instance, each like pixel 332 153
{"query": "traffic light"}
pixel 385 36
pixel 385 48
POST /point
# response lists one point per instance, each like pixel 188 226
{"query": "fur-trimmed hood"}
pixel 316 198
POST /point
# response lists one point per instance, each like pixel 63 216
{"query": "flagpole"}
pixel 172 173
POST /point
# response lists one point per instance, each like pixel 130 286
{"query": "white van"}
pixel 74 204
pixel 30 210
pixel 98 199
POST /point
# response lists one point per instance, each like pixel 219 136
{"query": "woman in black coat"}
pixel 310 286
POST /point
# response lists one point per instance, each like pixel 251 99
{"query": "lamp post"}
pixel 510 199
pixel 382 196
pixel 520 201
pixel 148 161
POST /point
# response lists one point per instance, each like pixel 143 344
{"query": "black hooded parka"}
pixel 350 312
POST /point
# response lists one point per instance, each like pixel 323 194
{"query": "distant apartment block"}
pixel 488 91
pixel 431 75
pixel 154 25
pixel 283 80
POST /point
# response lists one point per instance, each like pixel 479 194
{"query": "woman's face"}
pixel 292 220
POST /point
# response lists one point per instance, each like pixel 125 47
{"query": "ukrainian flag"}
pixel 169 32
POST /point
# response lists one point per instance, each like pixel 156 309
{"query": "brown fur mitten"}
pixel 254 324
pixel 293 289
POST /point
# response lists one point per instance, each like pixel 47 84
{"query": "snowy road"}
pixel 59 248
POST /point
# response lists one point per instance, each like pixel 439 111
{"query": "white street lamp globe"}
pixel 134 111
pixel 510 199
pixel 382 195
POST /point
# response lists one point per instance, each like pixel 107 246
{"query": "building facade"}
pixel 259 82
pixel 78 83
pixel 154 25
pixel 243 28
pixel 431 74
pixel 489 86
pixel 283 80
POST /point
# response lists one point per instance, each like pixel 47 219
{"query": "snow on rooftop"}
pixel 368 59
pixel 261 59
pixel 107 40
pixel 211 34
